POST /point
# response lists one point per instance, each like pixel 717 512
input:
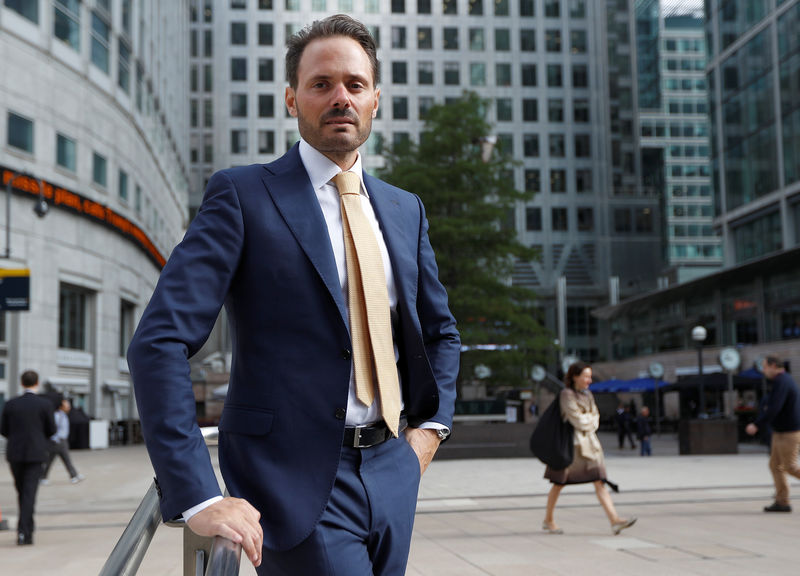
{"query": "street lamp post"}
pixel 699 334
pixel 40 208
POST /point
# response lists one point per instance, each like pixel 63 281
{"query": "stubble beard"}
pixel 336 145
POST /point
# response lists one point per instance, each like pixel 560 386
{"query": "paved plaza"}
pixel 698 515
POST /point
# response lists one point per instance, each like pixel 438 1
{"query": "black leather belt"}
pixel 372 435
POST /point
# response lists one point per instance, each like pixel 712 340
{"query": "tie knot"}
pixel 347 183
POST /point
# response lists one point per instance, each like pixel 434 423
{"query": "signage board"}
pixel 15 289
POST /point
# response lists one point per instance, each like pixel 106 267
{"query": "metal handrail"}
pixel 132 545
pixel 224 556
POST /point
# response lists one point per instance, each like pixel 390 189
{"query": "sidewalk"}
pixel 697 515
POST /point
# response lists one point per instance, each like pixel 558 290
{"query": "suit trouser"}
pixel 782 461
pixel 26 480
pixel 60 449
pixel 366 527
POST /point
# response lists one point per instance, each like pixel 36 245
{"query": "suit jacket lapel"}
pixel 288 184
pixel 387 208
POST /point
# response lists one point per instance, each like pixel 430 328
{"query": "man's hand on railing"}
pixel 235 519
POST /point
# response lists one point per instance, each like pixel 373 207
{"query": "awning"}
pixel 635 385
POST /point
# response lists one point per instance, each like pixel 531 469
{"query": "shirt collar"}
pixel 322 169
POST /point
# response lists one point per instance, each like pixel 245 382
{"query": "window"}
pixel 400 108
pixel 557 147
pixel 477 74
pixel 530 110
pixel 476 40
pixel 424 38
pixel 399 37
pixel 425 72
pixel 73 318
pixel 501 7
pixel 533 219
pixel 398 6
pixel 321 5
pixel 123 185
pixel 577 9
pixel 238 69
pixel 622 220
pixel 585 217
pixel 125 18
pixel 504 109
pixel 238 4
pixel 505 146
pixel 558 220
pixel 126 326
pixel 208 44
pixel 208 113
pixel 238 141
pixel 101 31
pixel 266 70
pixel 530 144
pixel 27 8
pixel 239 105
pixel 266 106
pixel 580 76
pixel 475 7
pixel 238 33
pixel 65 152
pixel 552 40
pixel 554 78
pixel 502 39
pixel 99 170
pixel 533 180
pixel 124 66
pixel 577 40
pixel 265 34
pixel 583 181
pixel 449 7
pixel 555 110
pixel 266 142
pixel 451 38
pixel 558 181
pixel 526 8
pixel 582 146
pixel 452 73
pixel 399 73
pixel 527 40
pixel 580 111
pixel 425 103
pixel 292 5
pixel 372 6
pixel 502 73
pixel 137 197
pixel 20 132
pixel 67 22
pixel 644 220
pixel 529 74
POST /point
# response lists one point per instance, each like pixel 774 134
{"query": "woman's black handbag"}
pixel 552 441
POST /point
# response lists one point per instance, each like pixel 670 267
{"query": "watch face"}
pixel 729 358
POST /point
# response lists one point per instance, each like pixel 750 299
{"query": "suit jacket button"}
pixel 340 413
pixel 346 354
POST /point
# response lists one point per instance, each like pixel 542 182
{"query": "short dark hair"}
pixel 336 25
pixel 574 369
pixel 29 379
pixel 773 360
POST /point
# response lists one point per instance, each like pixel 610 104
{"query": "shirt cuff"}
pixel 433 426
pixel 200 507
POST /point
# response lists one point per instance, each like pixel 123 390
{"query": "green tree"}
pixel 469 195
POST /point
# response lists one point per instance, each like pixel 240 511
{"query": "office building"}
pixel 94 129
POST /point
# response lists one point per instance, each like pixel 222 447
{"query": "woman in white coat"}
pixel 578 406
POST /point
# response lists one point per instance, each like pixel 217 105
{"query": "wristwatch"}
pixel 443 433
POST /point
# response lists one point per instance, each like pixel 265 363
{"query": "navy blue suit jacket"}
pixel 260 246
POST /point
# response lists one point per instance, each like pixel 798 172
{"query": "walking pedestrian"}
pixel 59 444
pixel 588 465
pixel 27 422
pixel 782 414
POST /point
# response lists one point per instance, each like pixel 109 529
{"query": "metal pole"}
pixel 702 406
pixel 658 411
pixel 132 545
pixel 8 216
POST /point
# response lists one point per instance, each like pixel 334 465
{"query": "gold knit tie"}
pixel 368 298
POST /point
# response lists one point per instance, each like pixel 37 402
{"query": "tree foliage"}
pixel 470 199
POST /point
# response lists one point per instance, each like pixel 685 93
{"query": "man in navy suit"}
pixel 28 423
pixel 319 483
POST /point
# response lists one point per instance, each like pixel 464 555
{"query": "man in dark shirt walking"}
pixel 28 423
pixel 782 413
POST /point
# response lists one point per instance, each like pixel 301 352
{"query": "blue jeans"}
pixel 645 446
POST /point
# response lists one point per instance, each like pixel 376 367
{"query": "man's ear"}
pixel 289 98
pixel 377 102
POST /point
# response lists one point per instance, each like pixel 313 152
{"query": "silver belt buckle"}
pixel 357 437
